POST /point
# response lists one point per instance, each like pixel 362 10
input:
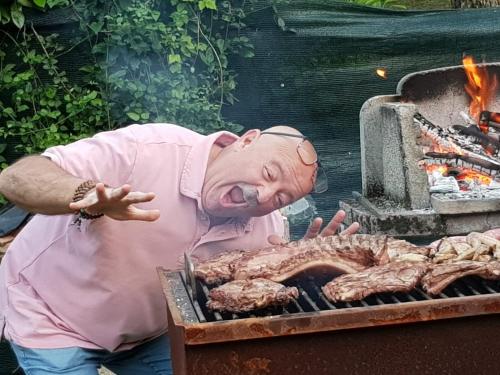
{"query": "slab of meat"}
pixel 218 269
pixel 400 276
pixel 440 276
pixel 340 253
pixel 247 295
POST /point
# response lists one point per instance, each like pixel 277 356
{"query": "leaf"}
pixel 16 13
pixel 134 116
pixel 174 58
pixel 210 4
pixel 96 26
pixel 40 3
pixel 25 3
pixel 3 146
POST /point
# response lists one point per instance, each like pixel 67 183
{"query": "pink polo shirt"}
pixel 96 286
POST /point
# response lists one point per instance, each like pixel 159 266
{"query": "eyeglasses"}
pixel 320 181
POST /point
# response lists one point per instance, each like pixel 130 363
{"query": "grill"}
pixel 399 333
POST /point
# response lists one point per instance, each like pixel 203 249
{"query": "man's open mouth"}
pixel 233 198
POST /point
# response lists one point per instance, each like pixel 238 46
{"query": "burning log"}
pixel 466 158
pixel 489 120
pixel 486 141
pixel 462 146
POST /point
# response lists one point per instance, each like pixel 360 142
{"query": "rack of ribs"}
pixel 247 295
pixel 339 253
pixel 398 276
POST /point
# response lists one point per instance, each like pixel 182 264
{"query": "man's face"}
pixel 255 176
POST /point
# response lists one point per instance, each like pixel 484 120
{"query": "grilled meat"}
pixel 247 295
pixel 440 276
pixel 341 253
pixel 399 276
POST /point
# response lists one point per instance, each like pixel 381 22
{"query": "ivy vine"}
pixel 152 61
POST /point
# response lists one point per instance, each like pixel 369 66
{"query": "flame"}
pixel 470 175
pixel 381 72
pixel 442 169
pixel 481 87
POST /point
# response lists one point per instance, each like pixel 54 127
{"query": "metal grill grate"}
pixel 311 298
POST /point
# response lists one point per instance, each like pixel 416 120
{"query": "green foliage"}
pixel 166 61
pixel 153 61
pixel 396 4
pixel 13 10
pixel 44 112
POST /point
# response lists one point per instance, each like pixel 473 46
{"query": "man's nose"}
pixel 265 194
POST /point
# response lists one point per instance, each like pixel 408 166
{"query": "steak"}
pixel 247 295
pixel 441 275
pixel 218 269
pixel 399 276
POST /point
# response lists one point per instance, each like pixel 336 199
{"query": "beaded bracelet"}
pixel 80 192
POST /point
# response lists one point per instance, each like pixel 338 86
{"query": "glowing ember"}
pixel 381 73
pixel 442 169
pixel 480 87
pixel 469 176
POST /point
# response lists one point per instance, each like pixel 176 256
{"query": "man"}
pixel 78 286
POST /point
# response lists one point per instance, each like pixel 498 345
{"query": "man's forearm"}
pixel 38 185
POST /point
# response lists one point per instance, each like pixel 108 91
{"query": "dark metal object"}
pixel 402 333
pixel 191 280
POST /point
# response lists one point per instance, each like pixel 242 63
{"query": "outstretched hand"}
pixel 314 229
pixel 117 203
pixel 331 228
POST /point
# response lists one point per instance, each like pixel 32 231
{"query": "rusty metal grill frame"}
pixel 466 297
pixel 312 299
pixel 407 334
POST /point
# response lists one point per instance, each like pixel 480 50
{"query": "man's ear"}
pixel 247 138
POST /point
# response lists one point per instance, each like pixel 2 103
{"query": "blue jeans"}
pixel 152 357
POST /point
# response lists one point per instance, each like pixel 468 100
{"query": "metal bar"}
pixel 487 287
pixel 298 305
pixel 468 286
pixel 422 293
pixel 323 298
pixel 196 305
pixel 308 299
pixel 379 301
pixel 395 299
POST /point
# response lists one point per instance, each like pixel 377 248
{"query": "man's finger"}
pixel 138 197
pixel 334 224
pixel 274 239
pixel 144 215
pixel 100 191
pixel 120 193
pixel 352 229
pixel 314 228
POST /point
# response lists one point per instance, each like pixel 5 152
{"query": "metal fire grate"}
pixel 312 299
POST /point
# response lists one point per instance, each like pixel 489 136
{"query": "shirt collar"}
pixel 195 168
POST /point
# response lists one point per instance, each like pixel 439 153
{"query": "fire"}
pixel 442 169
pixel 481 87
pixel 469 176
pixel 381 73
pixel 460 174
